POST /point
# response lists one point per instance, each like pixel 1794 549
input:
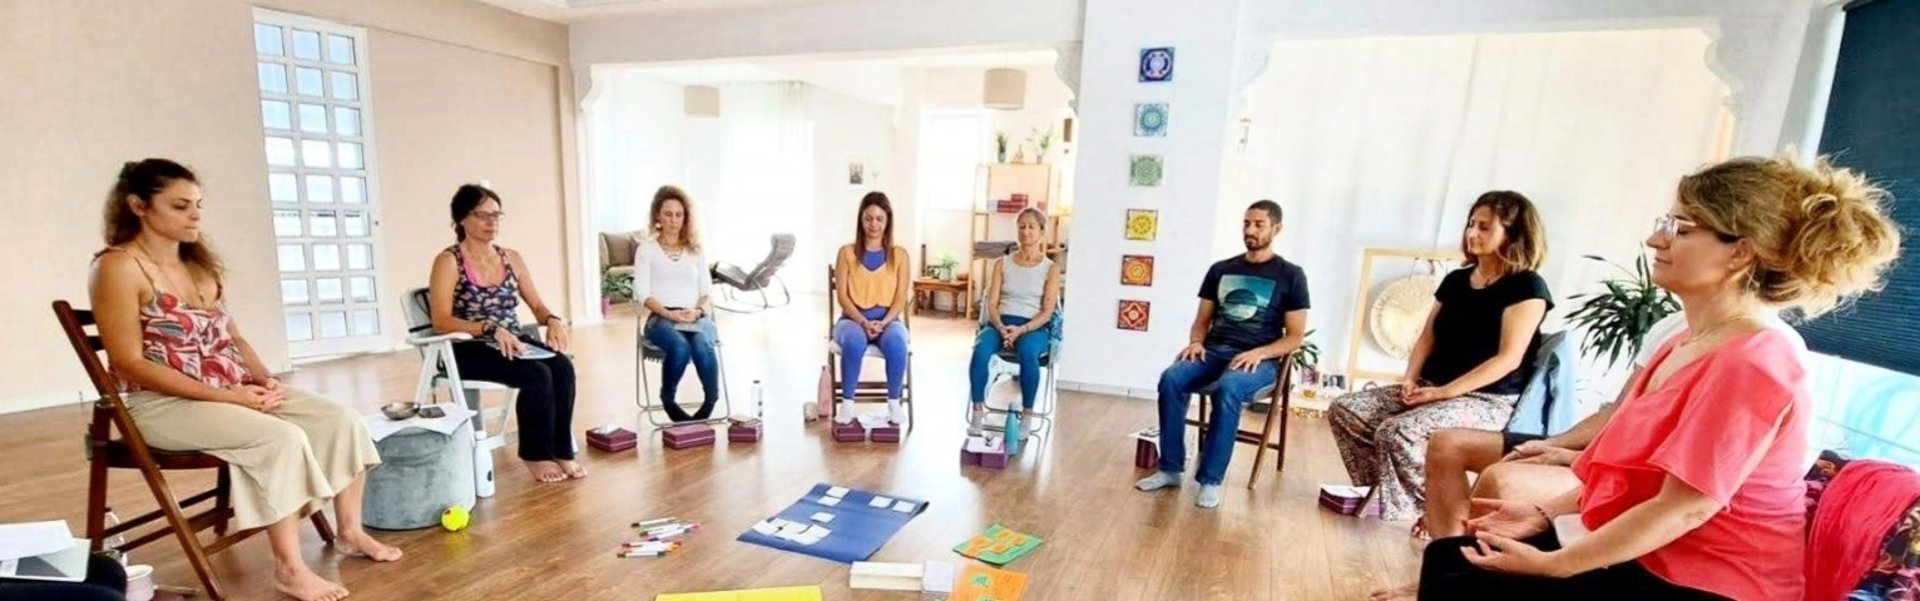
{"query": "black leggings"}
pixel 106 581
pixel 1445 574
pixel 545 405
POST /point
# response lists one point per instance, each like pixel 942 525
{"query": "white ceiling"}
pixel 568 11
pixel 788 69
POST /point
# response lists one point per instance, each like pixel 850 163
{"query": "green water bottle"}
pixel 1013 433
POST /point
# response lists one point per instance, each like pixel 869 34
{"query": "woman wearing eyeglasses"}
pixel 476 289
pixel 1694 490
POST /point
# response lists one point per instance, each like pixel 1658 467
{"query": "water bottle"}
pixel 111 546
pixel 759 402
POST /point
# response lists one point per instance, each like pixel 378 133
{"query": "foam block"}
pixel 620 439
pixel 850 432
pixel 981 452
pixel 1146 454
pixel 739 433
pixel 687 436
pixel 885 434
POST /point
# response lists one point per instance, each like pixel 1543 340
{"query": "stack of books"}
pixel 1012 204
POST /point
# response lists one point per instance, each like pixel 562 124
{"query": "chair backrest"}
pixel 777 256
pixel 419 315
pixel 1547 405
pixel 88 347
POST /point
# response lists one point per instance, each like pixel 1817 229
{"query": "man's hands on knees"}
pixel 1247 361
pixel 1193 352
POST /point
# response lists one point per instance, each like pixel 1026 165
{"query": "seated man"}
pixel 1519 467
pixel 1236 337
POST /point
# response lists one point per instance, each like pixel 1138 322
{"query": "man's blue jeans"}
pixel 1177 384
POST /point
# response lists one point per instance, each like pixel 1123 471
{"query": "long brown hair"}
pixel 143 180
pixel 873 199
pixel 1526 246
pixel 689 236
pixel 1819 233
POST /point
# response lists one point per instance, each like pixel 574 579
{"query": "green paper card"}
pixel 998 546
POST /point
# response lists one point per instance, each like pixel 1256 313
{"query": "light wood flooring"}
pixel 1104 541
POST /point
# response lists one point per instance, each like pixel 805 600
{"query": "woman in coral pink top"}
pixel 1694 489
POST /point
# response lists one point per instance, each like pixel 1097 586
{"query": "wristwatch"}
pixel 549 318
pixel 488 330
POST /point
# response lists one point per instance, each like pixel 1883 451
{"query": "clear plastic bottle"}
pixel 759 402
pixel 111 546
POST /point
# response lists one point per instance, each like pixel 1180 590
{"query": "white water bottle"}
pixel 759 402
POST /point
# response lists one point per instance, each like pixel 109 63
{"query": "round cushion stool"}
pixel 421 474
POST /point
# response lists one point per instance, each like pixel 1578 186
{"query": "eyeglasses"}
pixel 489 217
pixel 1667 228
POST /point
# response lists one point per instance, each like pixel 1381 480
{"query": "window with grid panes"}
pixel 313 104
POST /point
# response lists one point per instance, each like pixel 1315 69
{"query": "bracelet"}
pixel 1544 514
pixel 554 317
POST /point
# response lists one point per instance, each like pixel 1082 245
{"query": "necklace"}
pixel 1707 332
pixel 193 292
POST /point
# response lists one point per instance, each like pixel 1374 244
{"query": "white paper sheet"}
pixel 379 427
pixel 879 502
pixel 823 517
pixel 34 538
pixel 837 492
pixel 903 507
pixel 829 501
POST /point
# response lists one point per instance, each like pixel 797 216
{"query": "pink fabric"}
pixel 1744 401
pixel 1864 501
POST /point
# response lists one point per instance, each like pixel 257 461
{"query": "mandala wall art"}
pixel 1150 119
pixel 1143 224
pixel 1156 65
pixel 1136 270
pixel 1145 170
pixel 1134 315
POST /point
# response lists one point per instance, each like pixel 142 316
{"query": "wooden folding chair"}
pixel 130 451
pixel 1279 395
pixel 864 390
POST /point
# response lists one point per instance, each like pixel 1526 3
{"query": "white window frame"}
pixel 386 303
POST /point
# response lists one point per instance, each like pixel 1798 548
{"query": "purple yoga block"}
pixel 885 434
pixel 850 432
pixel 743 433
pixel 996 461
pixel 690 435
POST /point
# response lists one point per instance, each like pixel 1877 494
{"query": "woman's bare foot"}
pixel 1398 593
pixel 1419 530
pixel 573 470
pixel 546 471
pixel 301 583
pixel 358 543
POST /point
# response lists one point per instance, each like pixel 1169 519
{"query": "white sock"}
pixel 1209 496
pixel 846 411
pixel 1158 481
pixel 894 414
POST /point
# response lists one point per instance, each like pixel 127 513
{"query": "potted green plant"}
pixel 1042 140
pixel 1306 360
pixel 943 266
pixel 614 286
pixel 1000 146
pixel 1617 320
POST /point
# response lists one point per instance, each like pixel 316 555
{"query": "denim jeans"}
pixel 988 342
pixel 853 343
pixel 1177 384
pixel 682 348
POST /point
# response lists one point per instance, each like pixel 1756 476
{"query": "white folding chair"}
pixel 1005 366
pixel 438 369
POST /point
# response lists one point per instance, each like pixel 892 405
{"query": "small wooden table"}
pixel 925 288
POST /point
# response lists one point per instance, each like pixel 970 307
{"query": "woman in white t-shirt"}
pixel 670 280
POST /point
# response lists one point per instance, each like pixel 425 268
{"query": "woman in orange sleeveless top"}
pixel 873 276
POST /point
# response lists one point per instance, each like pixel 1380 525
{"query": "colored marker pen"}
pixel 653 522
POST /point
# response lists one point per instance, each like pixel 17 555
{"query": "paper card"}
pixel 766 528
pixel 823 517
pixel 816 531
pixel 33 539
pixel 903 507
pixel 807 540
pixel 879 502
pixel 837 492
pixel 937 577
pixel 793 528
pixel 829 501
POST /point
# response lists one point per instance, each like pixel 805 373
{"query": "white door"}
pixel 319 146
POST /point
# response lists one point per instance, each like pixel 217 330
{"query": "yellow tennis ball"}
pixel 454 519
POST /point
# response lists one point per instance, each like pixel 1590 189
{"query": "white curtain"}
pixel 1385 142
pixel 754 169
pixel 635 123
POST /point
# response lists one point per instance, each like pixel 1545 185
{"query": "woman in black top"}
pixel 1467 368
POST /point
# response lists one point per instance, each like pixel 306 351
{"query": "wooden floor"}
pixel 1104 541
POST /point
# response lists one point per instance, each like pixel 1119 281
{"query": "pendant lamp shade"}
pixel 1006 89
pixel 702 101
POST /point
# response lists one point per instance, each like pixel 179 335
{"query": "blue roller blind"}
pixel 1873 125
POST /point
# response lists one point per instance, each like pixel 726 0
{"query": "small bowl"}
pixel 400 410
pixel 140 583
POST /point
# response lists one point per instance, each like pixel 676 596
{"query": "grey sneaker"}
pixel 1158 481
pixel 1209 496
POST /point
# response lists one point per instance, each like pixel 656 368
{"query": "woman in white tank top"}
pixel 1023 291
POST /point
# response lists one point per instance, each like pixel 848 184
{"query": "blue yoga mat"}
pixel 859 529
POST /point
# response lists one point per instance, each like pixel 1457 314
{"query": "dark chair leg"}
pixel 222 502
pixel 97 501
pixel 320 525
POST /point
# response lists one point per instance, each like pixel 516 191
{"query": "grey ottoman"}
pixel 421 474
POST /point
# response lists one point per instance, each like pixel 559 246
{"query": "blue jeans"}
pixel 682 348
pixel 988 342
pixel 1177 384
pixel 853 343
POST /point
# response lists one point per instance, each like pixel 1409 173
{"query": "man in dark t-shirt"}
pixel 1253 310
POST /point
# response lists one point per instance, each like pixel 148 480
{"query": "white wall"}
pixel 845 129
pixel 843 26
pixel 1205 38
